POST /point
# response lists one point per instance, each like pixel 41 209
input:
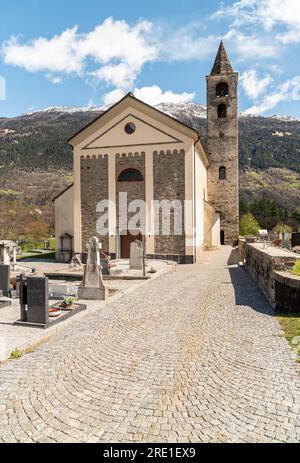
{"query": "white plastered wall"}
pixel 201 195
pixel 64 217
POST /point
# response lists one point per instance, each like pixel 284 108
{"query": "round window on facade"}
pixel 130 128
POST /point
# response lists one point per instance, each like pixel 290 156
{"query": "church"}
pixel 137 150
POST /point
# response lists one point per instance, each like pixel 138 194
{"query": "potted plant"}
pixel 69 302
pixel 54 312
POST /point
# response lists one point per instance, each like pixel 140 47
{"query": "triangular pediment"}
pixel 145 134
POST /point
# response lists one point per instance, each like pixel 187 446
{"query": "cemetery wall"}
pixel 269 268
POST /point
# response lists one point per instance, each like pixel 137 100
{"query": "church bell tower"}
pixel 222 133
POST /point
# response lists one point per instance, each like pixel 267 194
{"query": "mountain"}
pixel 36 161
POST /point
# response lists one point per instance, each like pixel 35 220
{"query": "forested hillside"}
pixel 36 160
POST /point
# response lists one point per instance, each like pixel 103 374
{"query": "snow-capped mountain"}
pixel 187 109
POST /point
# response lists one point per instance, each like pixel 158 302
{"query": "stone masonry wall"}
pixel 223 152
pixel 169 184
pixel 281 289
pixel 134 190
pixel 94 188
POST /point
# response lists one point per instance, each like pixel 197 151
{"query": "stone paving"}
pixel 194 356
pixel 22 338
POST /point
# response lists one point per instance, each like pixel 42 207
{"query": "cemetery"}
pixel 39 298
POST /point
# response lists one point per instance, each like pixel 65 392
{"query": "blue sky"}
pixel 82 53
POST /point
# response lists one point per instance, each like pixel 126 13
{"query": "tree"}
pixel 281 227
pixel 248 225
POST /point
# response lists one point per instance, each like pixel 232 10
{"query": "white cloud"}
pixel 268 14
pixel 119 75
pixel 151 95
pixel 113 52
pixel 113 97
pixel 186 44
pixel 2 89
pixel 251 46
pixel 55 80
pixel 154 95
pixel 58 54
pixel 287 91
pixel 254 86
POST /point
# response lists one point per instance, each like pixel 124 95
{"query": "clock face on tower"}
pixel 130 128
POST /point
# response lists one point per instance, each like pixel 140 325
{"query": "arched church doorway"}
pixel 222 237
pixel 130 180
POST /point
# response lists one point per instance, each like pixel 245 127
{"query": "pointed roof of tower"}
pixel 222 64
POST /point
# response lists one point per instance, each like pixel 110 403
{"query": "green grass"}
pixel 296 268
pixel 33 255
pixel 291 327
pixel 52 243
pixel 16 354
pixel 9 192
pixel 27 247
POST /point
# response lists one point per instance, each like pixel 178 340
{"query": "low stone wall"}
pixel 269 268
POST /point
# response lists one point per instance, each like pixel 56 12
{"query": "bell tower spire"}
pixel 222 64
pixel 222 134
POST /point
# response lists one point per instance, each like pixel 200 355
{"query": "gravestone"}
pixel 136 255
pixel 23 297
pixel 4 279
pixel 76 260
pixel 104 262
pixel 105 267
pixel 37 300
pixel 92 288
pixel 295 240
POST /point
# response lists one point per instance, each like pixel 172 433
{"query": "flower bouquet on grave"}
pixel 69 303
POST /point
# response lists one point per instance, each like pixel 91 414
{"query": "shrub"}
pixel 249 225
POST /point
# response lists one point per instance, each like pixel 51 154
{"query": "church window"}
pixel 130 175
pixel 130 128
pixel 222 173
pixel 222 89
pixel 222 111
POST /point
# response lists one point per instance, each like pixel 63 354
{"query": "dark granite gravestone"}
pixel 22 281
pixel 5 279
pixel 37 300
pixel 105 266
pixel 295 239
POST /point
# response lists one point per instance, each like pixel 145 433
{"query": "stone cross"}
pixel 92 287
pixel 136 255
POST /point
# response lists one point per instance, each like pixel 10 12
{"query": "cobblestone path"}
pixel 195 355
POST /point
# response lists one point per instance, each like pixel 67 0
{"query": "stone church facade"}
pixel 135 149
